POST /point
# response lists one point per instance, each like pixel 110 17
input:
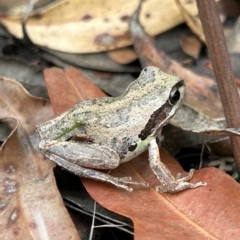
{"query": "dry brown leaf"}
pixel 231 8
pixel 194 214
pixel 123 55
pixel 71 81
pixel 191 45
pixel 92 26
pixel 31 206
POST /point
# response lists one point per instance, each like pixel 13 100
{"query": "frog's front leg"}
pixel 75 156
pixel 168 181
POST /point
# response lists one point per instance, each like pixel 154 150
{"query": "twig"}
pixel 93 221
pixel 219 56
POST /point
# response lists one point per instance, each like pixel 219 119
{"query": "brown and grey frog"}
pixel 103 133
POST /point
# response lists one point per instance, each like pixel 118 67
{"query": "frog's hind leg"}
pixel 69 155
pixel 120 182
pixel 84 154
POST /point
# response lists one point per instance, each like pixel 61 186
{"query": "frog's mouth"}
pixel 161 116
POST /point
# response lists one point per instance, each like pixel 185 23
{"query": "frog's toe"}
pixel 179 186
pixel 179 177
pixel 128 180
pixel 122 182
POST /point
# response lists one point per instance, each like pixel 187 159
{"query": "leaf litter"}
pixel 184 208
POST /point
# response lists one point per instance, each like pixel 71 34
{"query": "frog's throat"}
pixel 142 145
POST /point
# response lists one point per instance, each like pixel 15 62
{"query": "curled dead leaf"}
pixel 30 204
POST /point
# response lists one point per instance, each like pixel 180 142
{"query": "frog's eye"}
pixel 174 96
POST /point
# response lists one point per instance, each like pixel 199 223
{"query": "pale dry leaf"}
pixel 93 26
pixel 189 12
pixel 190 120
pixel 233 38
pixel 17 8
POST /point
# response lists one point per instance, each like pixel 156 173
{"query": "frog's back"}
pixel 115 120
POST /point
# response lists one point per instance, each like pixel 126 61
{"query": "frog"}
pixel 100 134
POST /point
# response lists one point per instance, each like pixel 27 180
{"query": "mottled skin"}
pixel 116 129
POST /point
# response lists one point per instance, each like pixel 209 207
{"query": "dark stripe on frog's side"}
pixel 158 116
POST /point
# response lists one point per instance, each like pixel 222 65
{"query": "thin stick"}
pixel 218 53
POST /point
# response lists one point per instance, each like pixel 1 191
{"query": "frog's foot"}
pixel 168 181
pixel 180 183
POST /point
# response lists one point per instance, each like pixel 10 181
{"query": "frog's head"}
pixel 164 95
